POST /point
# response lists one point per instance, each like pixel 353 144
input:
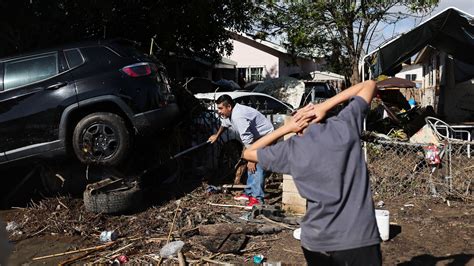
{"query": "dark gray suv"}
pixel 90 99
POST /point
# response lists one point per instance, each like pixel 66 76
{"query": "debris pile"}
pixel 196 228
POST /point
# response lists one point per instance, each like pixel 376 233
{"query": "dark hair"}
pixel 226 100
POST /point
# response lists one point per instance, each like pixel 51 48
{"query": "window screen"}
pixel 26 71
pixel 74 58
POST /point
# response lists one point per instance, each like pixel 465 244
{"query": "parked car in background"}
pixel 90 99
pixel 271 107
pixel 316 92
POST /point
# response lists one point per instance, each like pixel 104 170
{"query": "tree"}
pixel 193 28
pixel 337 30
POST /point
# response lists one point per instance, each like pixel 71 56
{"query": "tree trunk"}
pixel 355 77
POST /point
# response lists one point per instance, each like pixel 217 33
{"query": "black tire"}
pixel 115 201
pixel 102 139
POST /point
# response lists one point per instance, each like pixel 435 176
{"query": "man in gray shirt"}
pixel 251 125
pixel 329 170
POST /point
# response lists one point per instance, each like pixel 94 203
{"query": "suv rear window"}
pixel 127 49
pixel 24 71
pixel 74 58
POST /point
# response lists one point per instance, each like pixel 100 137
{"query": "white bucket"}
pixel 382 217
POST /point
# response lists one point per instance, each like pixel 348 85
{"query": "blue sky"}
pixel 408 24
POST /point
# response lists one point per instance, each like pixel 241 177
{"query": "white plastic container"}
pixel 383 223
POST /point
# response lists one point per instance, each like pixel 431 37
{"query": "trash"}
pixel 380 204
pixel 213 189
pixel 108 236
pixel 122 259
pixel 297 233
pixel 258 259
pixel 432 154
pixel 267 211
pixel 171 249
pixel 247 216
pixel 382 217
pixel 11 226
pixel 409 205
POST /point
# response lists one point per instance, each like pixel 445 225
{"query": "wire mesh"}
pixel 398 168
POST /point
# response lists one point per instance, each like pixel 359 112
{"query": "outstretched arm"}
pixel 215 137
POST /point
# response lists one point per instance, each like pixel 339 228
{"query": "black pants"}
pixel 364 256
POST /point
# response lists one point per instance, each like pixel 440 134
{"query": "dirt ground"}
pixel 423 231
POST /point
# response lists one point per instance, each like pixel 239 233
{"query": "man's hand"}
pixel 295 126
pixel 313 113
pixel 252 167
pixel 213 138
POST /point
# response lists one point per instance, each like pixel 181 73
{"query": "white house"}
pixel 412 72
pixel 258 59
pixel 441 89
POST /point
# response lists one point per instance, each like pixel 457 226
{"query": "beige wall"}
pixel 249 56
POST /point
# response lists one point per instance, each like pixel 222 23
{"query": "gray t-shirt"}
pixel 329 170
pixel 250 123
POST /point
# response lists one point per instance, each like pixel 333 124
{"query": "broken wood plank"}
pixel 234 186
pixel 277 223
pixel 226 205
pixel 74 251
pixel 225 229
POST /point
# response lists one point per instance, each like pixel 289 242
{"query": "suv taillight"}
pixel 139 69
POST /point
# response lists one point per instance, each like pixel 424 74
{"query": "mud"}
pixel 424 231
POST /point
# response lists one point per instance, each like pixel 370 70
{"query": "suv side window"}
pixel 24 71
pixel 74 58
pixel 1 77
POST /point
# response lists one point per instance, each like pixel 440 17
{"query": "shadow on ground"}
pixel 427 260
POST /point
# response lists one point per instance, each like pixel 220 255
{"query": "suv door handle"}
pixel 56 86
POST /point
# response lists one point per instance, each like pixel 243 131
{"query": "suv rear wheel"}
pixel 101 138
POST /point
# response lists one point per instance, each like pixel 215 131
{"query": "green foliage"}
pixel 339 31
pixel 194 28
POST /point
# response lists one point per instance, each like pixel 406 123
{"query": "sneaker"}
pixel 243 197
pixel 252 202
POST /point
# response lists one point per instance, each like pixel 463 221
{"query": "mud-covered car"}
pixel 89 99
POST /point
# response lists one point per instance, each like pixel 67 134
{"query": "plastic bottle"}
pixel 171 249
pixel 107 236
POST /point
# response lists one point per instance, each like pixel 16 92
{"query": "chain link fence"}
pixel 398 168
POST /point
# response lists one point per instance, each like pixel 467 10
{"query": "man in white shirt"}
pixel 251 125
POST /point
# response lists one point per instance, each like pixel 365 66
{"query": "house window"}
pixel 411 77
pixel 251 73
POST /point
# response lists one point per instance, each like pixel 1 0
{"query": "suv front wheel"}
pixel 101 138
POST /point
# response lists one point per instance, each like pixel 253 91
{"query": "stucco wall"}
pixel 412 69
pixel 248 56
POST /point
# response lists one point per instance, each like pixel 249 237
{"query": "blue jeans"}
pixel 255 183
